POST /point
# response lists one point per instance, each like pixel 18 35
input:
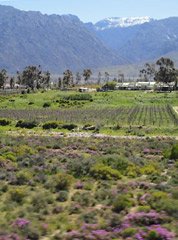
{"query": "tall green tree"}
pixel 148 72
pixel 121 77
pixel 99 78
pixel 87 74
pixel 45 79
pixel 3 78
pixel 106 74
pixel 60 83
pixel 78 78
pixel 31 77
pixel 68 78
pixel 166 72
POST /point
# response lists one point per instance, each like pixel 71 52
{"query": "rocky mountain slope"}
pixel 55 42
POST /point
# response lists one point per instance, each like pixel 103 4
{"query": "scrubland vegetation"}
pixel 65 188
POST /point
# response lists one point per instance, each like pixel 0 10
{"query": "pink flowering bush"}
pixel 145 219
pixel 21 223
pixel 155 232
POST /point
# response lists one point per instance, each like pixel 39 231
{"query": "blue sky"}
pixel 94 10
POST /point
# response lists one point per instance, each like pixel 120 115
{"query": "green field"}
pixel 116 113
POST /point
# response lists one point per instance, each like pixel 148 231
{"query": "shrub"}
pixel 174 179
pixel 30 103
pixel 62 196
pixel 74 208
pixel 174 152
pixel 116 162
pixel 84 199
pixel 10 156
pixel 128 232
pixel 170 206
pixel 33 234
pixel 157 232
pixel 80 168
pixel 89 217
pixel 149 169
pixel 21 222
pixel 144 209
pixel 23 150
pixel 175 193
pixel 114 220
pixel 156 199
pixel 153 235
pixel 62 181
pixel 121 203
pixel 104 194
pixel 69 126
pixel 145 219
pixel 79 97
pixel 17 194
pixel 49 125
pixel 26 124
pixel 40 201
pixel 46 105
pixel 110 85
pixel 101 171
pixel 133 171
pixel 4 122
pixel 23 177
pixel 156 178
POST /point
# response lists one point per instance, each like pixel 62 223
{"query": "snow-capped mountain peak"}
pixel 114 22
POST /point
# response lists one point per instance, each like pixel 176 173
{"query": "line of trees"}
pixel 32 77
pixel 68 78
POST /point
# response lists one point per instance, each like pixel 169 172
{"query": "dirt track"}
pixel 83 135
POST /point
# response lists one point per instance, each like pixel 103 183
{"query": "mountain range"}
pixel 145 39
pixel 54 42
pixel 64 42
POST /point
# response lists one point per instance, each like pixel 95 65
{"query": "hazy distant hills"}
pixel 61 42
pixel 139 39
pixel 55 42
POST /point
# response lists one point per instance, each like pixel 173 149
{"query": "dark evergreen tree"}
pixel 12 82
pixel 3 78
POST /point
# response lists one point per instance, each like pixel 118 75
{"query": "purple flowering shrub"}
pixel 155 232
pixel 65 188
pixel 21 223
pixel 145 219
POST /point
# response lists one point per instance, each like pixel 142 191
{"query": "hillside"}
pixel 55 42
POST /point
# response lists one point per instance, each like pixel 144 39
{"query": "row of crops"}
pixel 125 116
